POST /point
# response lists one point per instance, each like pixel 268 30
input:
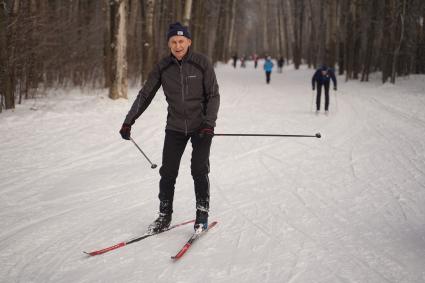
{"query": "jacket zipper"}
pixel 184 108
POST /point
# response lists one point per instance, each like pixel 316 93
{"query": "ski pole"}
pixel 336 101
pixel 317 135
pixel 153 166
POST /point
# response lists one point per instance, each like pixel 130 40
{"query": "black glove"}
pixel 125 131
pixel 314 88
pixel 334 88
pixel 206 131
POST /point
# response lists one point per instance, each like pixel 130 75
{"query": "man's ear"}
pixel 190 42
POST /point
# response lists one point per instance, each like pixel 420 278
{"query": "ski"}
pixel 146 235
pixel 191 240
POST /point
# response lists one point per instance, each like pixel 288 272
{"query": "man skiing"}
pixel 280 63
pixel 268 67
pixel 255 57
pixel 322 77
pixel 235 59
pixel 191 90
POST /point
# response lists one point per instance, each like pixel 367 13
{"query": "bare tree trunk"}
pixel 287 27
pixel 187 12
pixel 118 88
pixel 298 16
pixel 107 48
pixel 342 30
pixel 279 15
pixel 331 50
pixel 387 40
pixel 148 45
pixel 164 21
pixel 232 26
pixel 322 32
pixel 196 26
pixel 369 54
pixel 9 78
pixel 3 51
pixel 350 40
pixel 311 50
pixel 214 21
pixel 265 10
pixel 357 39
pixel 397 49
pixel 134 43
pixel 134 13
pixel 177 9
pixel 221 52
pixel 420 48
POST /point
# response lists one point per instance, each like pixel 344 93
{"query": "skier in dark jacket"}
pixel 322 77
pixel 235 59
pixel 191 90
pixel 255 57
pixel 280 63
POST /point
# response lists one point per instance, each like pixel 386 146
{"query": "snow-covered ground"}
pixel 349 207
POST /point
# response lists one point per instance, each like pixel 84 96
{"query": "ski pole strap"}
pixel 317 135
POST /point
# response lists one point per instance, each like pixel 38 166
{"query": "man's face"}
pixel 179 45
pixel 324 72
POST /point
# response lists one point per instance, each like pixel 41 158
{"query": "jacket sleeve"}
pixel 145 96
pixel 313 80
pixel 333 78
pixel 212 95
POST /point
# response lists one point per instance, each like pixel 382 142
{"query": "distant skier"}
pixel 235 59
pixel 322 77
pixel 268 67
pixel 255 57
pixel 190 87
pixel 243 65
pixel 280 63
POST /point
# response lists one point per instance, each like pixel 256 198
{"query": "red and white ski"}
pixel 122 244
pixel 191 240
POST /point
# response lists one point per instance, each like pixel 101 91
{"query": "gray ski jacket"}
pixel 191 90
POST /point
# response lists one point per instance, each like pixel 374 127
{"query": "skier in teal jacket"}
pixel 268 67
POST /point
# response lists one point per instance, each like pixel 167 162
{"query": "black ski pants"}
pixel 319 92
pixel 174 146
pixel 268 73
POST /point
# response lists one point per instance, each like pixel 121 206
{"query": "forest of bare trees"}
pixel 113 43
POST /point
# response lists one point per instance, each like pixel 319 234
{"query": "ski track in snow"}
pixel 348 207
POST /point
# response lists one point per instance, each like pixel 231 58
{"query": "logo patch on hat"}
pixel 179 32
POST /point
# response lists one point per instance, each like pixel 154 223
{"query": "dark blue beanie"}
pixel 178 29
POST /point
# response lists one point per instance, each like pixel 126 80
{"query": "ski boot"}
pixel 163 221
pixel 201 222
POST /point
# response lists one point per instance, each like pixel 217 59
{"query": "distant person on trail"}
pixel 255 57
pixel 191 90
pixel 243 65
pixel 322 77
pixel 280 63
pixel 268 67
pixel 235 59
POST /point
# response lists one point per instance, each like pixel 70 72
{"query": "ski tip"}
pixel 212 224
pixel 176 257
